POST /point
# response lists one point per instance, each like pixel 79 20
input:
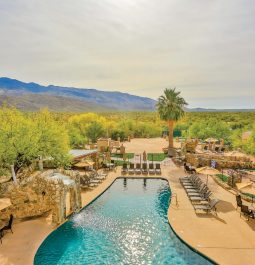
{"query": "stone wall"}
pixel 200 160
pixel 40 194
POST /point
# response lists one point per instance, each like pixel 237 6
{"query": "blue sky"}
pixel 205 48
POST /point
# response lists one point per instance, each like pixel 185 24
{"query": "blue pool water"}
pixel 127 224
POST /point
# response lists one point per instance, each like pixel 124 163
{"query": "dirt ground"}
pixel 154 145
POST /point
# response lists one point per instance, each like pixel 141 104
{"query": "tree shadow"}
pixel 225 207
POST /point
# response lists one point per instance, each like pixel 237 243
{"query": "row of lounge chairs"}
pixel 199 194
pixel 244 209
pixel 92 179
pixel 141 169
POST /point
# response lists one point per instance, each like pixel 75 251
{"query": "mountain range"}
pixel 32 97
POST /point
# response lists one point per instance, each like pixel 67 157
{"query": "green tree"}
pixel 210 128
pixel 23 138
pixel 94 131
pixel 171 108
pixel 52 137
pixel 18 140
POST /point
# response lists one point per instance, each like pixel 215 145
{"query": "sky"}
pixel 204 48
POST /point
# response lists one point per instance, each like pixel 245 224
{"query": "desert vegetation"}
pixel 26 136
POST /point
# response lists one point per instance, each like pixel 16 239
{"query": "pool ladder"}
pixel 174 195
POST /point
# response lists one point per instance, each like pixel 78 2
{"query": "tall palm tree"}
pixel 170 107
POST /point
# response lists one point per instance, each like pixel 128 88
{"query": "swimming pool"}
pixel 127 224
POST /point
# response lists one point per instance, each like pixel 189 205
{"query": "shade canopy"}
pixel 246 187
pixel 85 164
pixel 207 171
pixel 211 140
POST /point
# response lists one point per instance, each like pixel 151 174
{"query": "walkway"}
pixel 226 238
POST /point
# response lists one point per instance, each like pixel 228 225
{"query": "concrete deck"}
pixel 226 238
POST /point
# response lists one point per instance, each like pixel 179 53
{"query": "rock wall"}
pixel 200 160
pixel 38 195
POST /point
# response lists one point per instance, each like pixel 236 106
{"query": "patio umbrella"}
pixel 207 171
pixel 144 156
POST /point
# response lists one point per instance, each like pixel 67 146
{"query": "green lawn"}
pixel 222 177
pixel 158 157
pixel 120 162
pixel 128 155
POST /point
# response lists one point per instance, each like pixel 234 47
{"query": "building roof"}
pixel 81 152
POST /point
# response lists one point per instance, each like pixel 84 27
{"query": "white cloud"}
pixel 205 48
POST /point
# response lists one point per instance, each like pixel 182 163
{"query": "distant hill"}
pixel 220 110
pixel 32 96
pixel 34 102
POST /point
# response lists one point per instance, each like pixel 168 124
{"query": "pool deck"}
pixel 226 238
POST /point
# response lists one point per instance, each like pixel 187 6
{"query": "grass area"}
pixel 128 155
pixel 158 157
pixel 120 162
pixel 222 177
pixel 249 195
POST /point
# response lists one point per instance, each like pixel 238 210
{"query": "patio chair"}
pixel 158 169
pixel 195 186
pixel 246 212
pixel 188 179
pixel 201 190
pixel 199 198
pixel 131 169
pixel 84 181
pixel 124 169
pixel 151 169
pixel 8 226
pixel 138 168
pixel 145 168
pixel 211 206
pixel 193 183
pixel 238 201
pixel 188 169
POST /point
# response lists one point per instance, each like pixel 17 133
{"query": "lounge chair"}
pixel 145 168
pixel 211 206
pixel 200 198
pixel 124 169
pixel 151 169
pixel 131 169
pixel 238 201
pixel 84 181
pixel 193 184
pixel 158 169
pixel 7 227
pixel 138 169
pixel 246 212
pixel 99 176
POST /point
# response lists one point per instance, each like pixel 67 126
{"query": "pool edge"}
pixel 136 177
